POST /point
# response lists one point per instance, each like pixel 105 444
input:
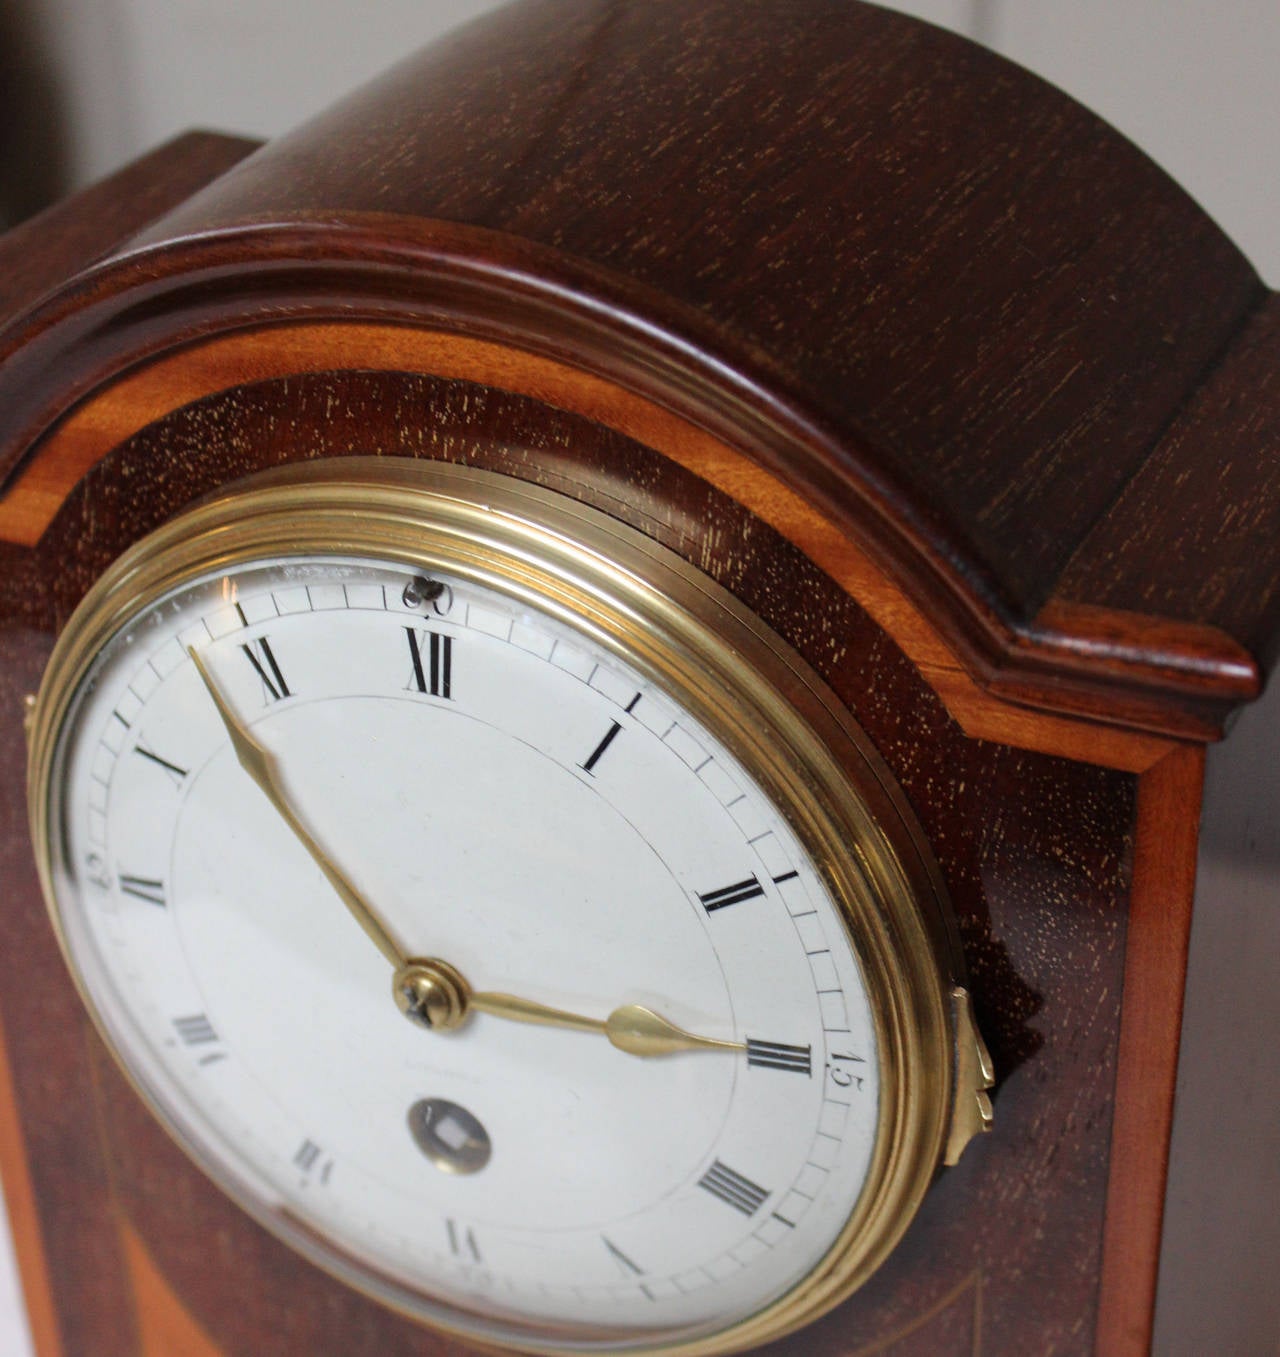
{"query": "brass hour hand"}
pixel 640 1031
pixel 258 763
pixel 435 995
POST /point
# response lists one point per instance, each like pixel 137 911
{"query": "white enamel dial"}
pixel 515 797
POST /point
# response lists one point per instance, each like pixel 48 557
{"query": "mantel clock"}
pixel 607 656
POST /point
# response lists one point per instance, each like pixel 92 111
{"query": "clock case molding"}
pixel 840 280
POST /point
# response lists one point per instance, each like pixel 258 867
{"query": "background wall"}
pixel 86 85
pixel 96 81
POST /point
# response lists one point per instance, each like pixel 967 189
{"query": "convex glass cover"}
pixel 497 911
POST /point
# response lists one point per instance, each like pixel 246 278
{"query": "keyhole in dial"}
pixel 451 1137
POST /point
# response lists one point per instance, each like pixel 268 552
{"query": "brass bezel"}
pixel 642 602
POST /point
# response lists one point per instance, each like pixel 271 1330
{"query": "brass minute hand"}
pixel 260 766
pixel 434 994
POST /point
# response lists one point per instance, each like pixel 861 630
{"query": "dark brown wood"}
pixel 920 360
pixel 1035 851
pixel 943 301
pixel 22 1212
pixel 45 251
pixel 1206 506
pixel 47 1037
pixel 160 388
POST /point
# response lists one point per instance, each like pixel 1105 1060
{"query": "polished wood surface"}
pixel 165 1326
pixel 45 251
pixel 944 304
pixel 218 365
pixel 1221 1235
pixel 23 1219
pixel 1035 851
pixel 50 1051
pixel 1206 504
pixel 1159 934
pixel 923 363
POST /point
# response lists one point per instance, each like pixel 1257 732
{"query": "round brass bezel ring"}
pixel 643 603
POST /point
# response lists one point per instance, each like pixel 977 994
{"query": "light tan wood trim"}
pixel 24 1220
pixel 983 717
pixel 169 383
pixel 1158 935
pixel 165 1327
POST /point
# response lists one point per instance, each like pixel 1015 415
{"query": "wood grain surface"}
pixel 51 247
pixel 950 308
pixel 1159 934
pixel 160 388
pixel 1206 505
pixel 921 361
pixel 50 1049
pixel 1035 851
pixel 23 1219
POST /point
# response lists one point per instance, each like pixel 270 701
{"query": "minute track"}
pixel 529 689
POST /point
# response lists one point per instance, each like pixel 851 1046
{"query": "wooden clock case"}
pixel 925 364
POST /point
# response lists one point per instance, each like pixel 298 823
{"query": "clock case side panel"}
pixel 1157 945
pixel 1222 1228
pixel 1035 850
pixel 942 342
pixel 40 254
pixel 57 1171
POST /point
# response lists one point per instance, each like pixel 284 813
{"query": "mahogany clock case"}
pixel 1019 834
pixel 973 421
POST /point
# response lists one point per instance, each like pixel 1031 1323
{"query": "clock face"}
pixel 471 761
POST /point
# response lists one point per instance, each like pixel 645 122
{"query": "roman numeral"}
pixel 629 1269
pixel 262 659
pixel 731 895
pixel 172 769
pixel 604 744
pixel 143 888
pixel 433 673
pixel 308 1158
pixel 610 735
pixel 733 1189
pixel 462 1242
pixel 773 1055
pixel 196 1030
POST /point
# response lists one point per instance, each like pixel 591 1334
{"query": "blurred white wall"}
pixel 1195 83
